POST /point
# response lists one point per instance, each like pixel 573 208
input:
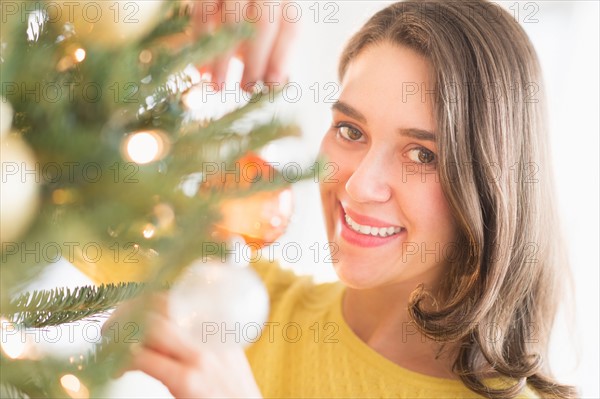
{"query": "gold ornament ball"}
pixel 18 190
pixel 107 261
pixel 109 22
pixel 116 264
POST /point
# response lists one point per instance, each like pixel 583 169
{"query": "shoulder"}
pixel 280 281
pixel 290 290
pixel 275 278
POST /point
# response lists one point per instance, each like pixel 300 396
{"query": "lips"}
pixel 372 230
pixel 366 231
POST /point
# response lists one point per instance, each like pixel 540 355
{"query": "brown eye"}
pixel 349 133
pixel 421 155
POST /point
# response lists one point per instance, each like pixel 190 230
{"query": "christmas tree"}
pixel 103 165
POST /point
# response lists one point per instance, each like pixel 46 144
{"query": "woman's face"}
pixel 384 207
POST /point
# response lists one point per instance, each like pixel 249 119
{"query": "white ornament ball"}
pixel 220 305
pixel 6 114
pixel 110 22
pixel 18 188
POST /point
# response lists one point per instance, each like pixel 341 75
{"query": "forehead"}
pixel 387 79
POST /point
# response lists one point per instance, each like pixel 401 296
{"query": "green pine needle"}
pixel 62 305
pixel 10 391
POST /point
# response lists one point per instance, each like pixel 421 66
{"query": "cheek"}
pixel 339 162
pixel 337 167
pixel 426 206
pixel 327 185
pixel 336 164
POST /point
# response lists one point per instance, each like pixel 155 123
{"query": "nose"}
pixel 369 181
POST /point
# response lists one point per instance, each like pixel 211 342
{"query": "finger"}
pixel 206 16
pixel 280 54
pixel 127 310
pixel 157 302
pixel 122 313
pixel 164 336
pixel 230 11
pixel 256 52
pixel 179 379
pixel 220 68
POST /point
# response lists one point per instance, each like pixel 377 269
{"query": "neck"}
pixel 380 318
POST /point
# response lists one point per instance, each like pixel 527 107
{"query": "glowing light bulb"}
pixel 80 54
pixel 13 343
pixel 146 147
pixel 74 387
pixel 70 382
pixel 145 56
pixel 148 231
pixel 14 348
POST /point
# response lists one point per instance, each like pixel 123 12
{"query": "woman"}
pixel 443 221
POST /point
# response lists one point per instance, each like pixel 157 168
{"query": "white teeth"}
pixel 369 230
pixel 365 229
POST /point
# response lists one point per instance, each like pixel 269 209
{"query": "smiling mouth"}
pixel 384 231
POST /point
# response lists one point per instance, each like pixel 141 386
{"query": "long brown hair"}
pixel 501 291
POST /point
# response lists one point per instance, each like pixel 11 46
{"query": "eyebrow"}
pixel 348 110
pixel 418 134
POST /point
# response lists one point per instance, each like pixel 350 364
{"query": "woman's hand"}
pixel 187 369
pixel 264 56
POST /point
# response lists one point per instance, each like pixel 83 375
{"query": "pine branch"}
pixel 53 307
pixel 178 20
pixel 185 156
pixel 199 51
pixel 10 391
pixel 256 102
pixel 27 377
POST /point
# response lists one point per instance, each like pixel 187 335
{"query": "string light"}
pixel 13 343
pixel 145 147
pixel 74 387
pixel 70 382
pixel 145 56
pixel 148 231
pixel 79 54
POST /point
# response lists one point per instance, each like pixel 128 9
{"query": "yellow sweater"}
pixel 307 350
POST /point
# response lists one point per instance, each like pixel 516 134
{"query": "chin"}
pixel 356 276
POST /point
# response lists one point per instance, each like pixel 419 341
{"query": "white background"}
pixel 566 38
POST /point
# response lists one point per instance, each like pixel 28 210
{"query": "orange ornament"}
pixel 260 218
